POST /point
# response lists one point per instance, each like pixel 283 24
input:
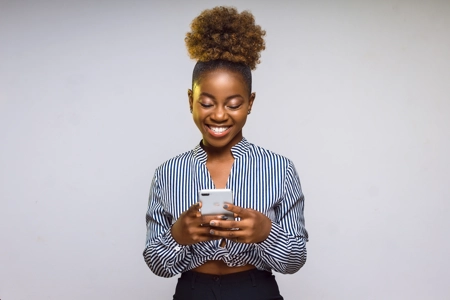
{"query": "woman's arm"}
pixel 285 247
pixel 163 255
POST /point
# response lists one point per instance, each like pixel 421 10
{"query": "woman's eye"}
pixel 205 105
pixel 234 106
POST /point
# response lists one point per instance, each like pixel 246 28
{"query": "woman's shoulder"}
pixel 267 154
pixel 176 162
pixel 273 162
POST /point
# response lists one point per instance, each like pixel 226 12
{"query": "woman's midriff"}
pixel 218 267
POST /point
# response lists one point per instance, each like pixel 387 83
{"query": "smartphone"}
pixel 213 201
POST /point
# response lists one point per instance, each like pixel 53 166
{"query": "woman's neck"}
pixel 219 154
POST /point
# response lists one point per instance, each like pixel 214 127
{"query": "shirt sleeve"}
pixel 163 255
pixel 284 250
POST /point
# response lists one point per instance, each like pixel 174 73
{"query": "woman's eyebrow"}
pixel 234 96
pixel 205 94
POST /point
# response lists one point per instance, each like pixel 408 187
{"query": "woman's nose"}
pixel 219 114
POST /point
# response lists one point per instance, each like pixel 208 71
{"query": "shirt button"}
pixel 177 248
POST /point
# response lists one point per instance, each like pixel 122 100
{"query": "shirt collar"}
pixel 237 150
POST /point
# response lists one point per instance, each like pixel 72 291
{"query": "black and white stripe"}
pixel 259 179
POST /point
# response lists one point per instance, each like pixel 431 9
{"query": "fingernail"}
pixel 212 223
pixel 211 231
pixel 224 218
pixel 225 206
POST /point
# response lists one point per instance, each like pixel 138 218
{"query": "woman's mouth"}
pixel 218 130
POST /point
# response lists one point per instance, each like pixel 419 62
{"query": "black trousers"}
pixel 249 285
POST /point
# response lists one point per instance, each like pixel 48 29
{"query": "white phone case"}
pixel 213 201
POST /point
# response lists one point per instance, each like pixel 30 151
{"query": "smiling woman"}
pixel 217 258
pixel 220 105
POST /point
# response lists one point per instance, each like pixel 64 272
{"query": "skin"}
pixel 220 99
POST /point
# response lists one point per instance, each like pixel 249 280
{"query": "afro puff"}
pixel 222 33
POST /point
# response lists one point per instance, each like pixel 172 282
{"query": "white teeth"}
pixel 218 129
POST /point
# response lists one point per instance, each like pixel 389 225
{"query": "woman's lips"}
pixel 218 131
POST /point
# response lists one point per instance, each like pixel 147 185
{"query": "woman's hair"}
pixel 222 38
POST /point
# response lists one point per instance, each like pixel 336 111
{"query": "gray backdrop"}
pixel 93 97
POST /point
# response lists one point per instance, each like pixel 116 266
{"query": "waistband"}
pixel 228 278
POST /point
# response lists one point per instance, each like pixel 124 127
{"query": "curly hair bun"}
pixel 223 33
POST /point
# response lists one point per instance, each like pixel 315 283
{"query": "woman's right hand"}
pixel 191 227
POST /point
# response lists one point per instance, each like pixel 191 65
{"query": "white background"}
pixel 93 97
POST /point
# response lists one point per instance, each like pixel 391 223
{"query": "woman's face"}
pixel 220 103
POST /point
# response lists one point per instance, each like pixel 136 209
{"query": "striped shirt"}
pixel 259 179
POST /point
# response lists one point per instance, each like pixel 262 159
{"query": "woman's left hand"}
pixel 254 227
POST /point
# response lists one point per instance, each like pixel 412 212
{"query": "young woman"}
pixel 216 262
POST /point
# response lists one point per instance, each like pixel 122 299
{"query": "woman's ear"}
pixel 191 100
pixel 250 101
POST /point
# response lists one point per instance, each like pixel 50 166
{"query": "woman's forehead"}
pixel 221 79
